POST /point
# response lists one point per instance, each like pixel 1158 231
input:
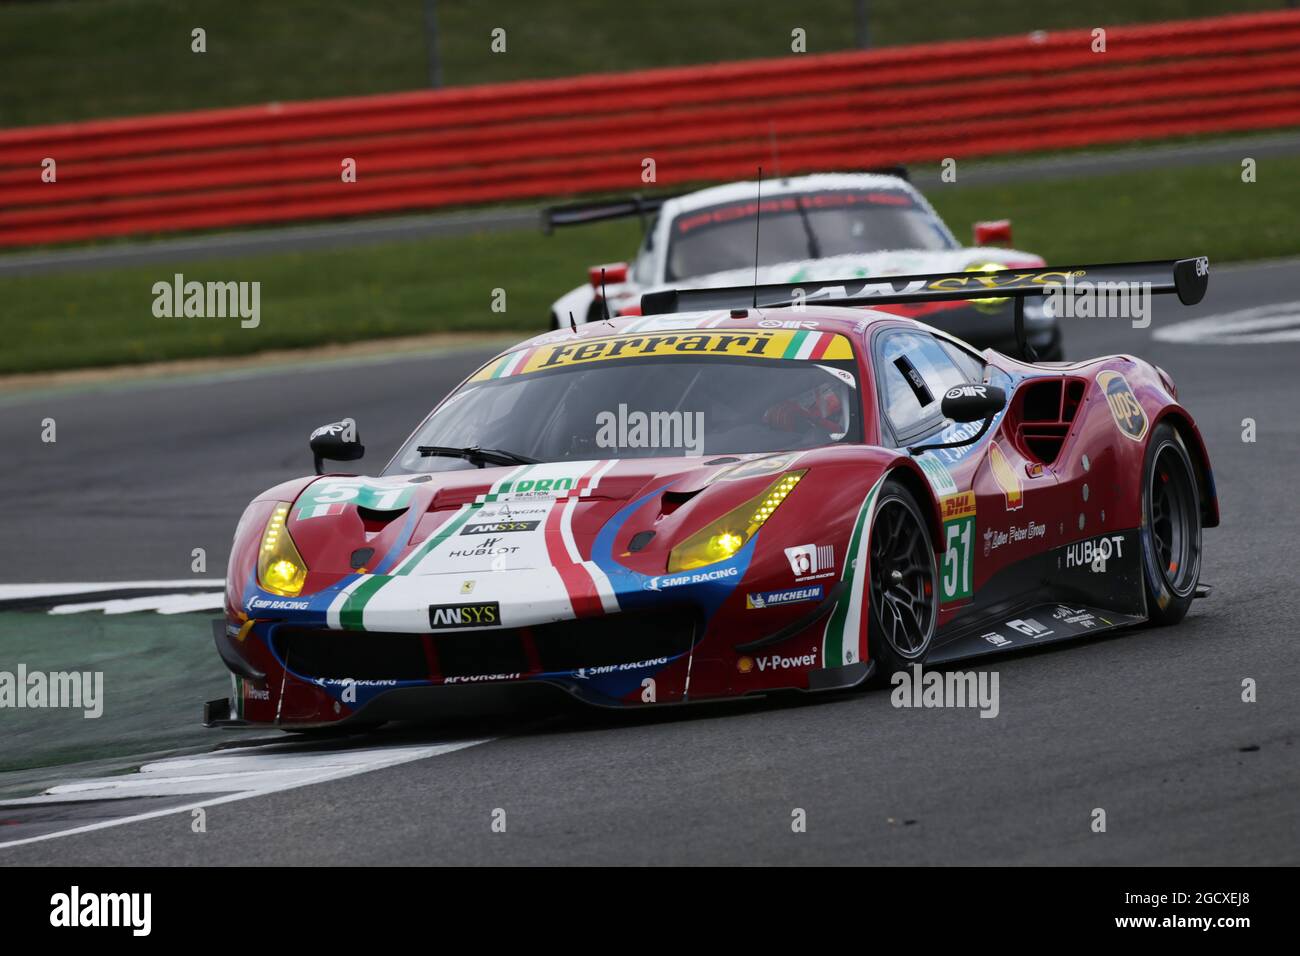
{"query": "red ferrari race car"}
pixel 728 495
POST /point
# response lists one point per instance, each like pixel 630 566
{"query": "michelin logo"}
pixel 768 599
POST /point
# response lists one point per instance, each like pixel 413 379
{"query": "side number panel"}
pixel 957 571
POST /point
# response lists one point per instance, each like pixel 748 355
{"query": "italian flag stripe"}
pixel 438 537
pixel 508 364
pixel 351 613
pixel 844 627
pixel 795 343
pixel 822 344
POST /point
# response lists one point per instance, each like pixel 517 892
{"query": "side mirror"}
pixel 968 403
pixel 994 233
pixel 972 403
pixel 337 441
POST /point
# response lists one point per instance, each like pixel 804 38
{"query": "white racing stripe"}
pixel 603 587
pixel 223 777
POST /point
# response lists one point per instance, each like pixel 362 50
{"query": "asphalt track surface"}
pixel 1148 725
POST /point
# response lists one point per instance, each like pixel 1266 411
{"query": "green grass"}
pixel 446 284
pixel 65 60
pixel 158 670
pixel 1153 214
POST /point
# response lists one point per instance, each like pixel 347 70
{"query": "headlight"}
pixel 987 305
pixel 280 568
pixel 721 539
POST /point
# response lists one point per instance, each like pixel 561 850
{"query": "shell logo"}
pixel 745 664
pixel 1006 478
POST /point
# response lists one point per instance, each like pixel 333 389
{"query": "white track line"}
pixel 15 592
pixel 251 772
pixel 1262 325
pixel 162 603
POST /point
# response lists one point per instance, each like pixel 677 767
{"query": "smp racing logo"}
pixel 660 582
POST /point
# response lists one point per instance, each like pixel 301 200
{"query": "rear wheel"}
pixel 1171 527
pixel 904 604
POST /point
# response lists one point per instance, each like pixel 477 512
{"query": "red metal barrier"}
pixel 422 150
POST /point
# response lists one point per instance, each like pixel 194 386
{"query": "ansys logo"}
pixel 483 614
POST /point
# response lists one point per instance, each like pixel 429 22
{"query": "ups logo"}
pixel 1124 406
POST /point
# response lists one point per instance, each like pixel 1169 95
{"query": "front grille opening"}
pixel 625 638
pixel 476 653
pixel 616 639
pixel 361 655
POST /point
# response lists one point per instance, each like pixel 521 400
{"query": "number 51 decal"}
pixel 958 546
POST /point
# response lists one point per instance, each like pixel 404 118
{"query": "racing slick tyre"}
pixel 1171 527
pixel 904 602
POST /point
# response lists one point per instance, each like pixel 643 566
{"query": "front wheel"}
pixel 904 604
pixel 1171 527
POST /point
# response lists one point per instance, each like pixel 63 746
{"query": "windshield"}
pixel 643 396
pixel 801 226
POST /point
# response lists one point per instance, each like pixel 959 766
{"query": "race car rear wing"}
pixel 1188 278
pixel 583 213
pixel 600 210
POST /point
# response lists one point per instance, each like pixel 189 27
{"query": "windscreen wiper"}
pixel 814 246
pixel 475 455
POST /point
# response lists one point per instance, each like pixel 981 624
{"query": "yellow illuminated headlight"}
pixel 721 539
pixel 280 568
pixel 987 305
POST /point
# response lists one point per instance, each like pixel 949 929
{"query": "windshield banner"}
pixel 801 344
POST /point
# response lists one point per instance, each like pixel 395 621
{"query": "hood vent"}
pixel 672 500
pixel 376 521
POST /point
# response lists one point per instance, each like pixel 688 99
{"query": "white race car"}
pixel 823 226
